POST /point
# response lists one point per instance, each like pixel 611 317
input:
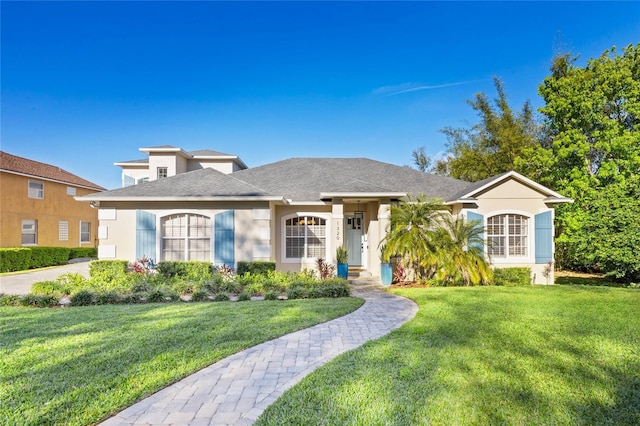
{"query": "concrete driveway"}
pixel 21 282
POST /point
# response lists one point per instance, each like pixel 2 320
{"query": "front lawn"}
pixel 489 355
pixel 77 366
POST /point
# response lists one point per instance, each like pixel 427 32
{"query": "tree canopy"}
pixel 491 146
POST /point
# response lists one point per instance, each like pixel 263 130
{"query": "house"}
pixel 296 210
pixel 38 208
pixel 166 160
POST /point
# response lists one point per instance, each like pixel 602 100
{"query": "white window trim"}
pixel 35 225
pixel 40 191
pixel 283 237
pixel 499 260
pixel 80 232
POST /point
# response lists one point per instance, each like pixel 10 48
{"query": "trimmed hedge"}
pixel 512 276
pixel 14 259
pixel 23 258
pixel 257 267
pixel 78 252
pixel 191 270
pixel 108 270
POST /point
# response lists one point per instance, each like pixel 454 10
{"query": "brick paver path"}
pixel 237 389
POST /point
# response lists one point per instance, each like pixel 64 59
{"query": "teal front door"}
pixel 353 236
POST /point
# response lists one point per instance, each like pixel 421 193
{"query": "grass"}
pixel 78 366
pixel 476 356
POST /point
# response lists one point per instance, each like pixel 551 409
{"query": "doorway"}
pixel 354 232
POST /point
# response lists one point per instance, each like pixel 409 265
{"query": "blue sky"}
pixel 85 84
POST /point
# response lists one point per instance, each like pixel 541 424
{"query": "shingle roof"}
pixel 202 183
pixel 13 163
pixel 209 153
pixel 304 179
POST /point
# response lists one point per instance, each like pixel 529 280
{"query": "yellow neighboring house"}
pixel 38 208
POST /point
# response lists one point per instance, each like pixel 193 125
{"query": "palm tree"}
pixel 410 232
pixel 460 256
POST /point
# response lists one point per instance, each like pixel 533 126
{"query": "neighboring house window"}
pixel 186 237
pixel 305 237
pixel 63 231
pixel 36 189
pixel 507 235
pixel 29 232
pixel 128 180
pixel 162 172
pixel 85 232
pixel 71 190
pixel 143 180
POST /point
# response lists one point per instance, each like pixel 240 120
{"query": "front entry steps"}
pixel 356 272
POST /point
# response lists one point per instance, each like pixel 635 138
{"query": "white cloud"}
pixel 414 87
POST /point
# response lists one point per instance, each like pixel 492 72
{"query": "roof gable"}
pixel 36 169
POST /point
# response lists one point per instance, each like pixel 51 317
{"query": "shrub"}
pixel 78 252
pixel 183 287
pixel 108 270
pixel 221 297
pixel 325 269
pixel 108 298
pixel 512 276
pixel 157 296
pixel 72 282
pixel 9 299
pixel 336 287
pixel 141 287
pixel 192 270
pixel 48 256
pixel 255 288
pixel 14 259
pixel 271 295
pixel 297 292
pixel 244 296
pixel 200 296
pixel 83 298
pixel 38 300
pixel 52 288
pixel 230 287
pixel 257 267
pixel 134 298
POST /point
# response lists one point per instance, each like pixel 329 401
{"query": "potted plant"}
pixel 342 257
pixel 386 269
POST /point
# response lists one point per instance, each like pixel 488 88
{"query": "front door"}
pixel 353 235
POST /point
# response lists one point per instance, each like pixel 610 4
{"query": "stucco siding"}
pixel 55 206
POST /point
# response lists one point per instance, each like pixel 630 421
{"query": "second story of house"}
pixel 167 160
pixel 38 205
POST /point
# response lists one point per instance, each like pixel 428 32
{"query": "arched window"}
pixel 305 237
pixel 186 237
pixel 507 235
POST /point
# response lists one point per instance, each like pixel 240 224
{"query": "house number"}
pixel 337 230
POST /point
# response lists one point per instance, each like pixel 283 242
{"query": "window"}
pixel 305 237
pixel 63 231
pixel 29 232
pixel 507 235
pixel 71 190
pixel 162 172
pixel 143 180
pixel 36 189
pixel 186 237
pixel 85 232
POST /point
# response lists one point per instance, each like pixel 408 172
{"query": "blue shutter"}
pixel 223 231
pixel 544 237
pixel 471 216
pixel 145 234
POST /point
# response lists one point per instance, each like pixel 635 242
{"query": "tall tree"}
pixel 592 117
pixel 491 146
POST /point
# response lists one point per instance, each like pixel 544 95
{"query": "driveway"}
pixel 21 282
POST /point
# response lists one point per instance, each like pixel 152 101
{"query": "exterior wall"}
pixel 137 173
pixel 225 166
pixel 56 206
pixel 252 223
pixel 168 160
pixel 513 197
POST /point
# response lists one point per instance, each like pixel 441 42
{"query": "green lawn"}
pixel 77 366
pixel 486 355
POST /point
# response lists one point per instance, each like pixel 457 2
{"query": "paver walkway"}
pixel 237 389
